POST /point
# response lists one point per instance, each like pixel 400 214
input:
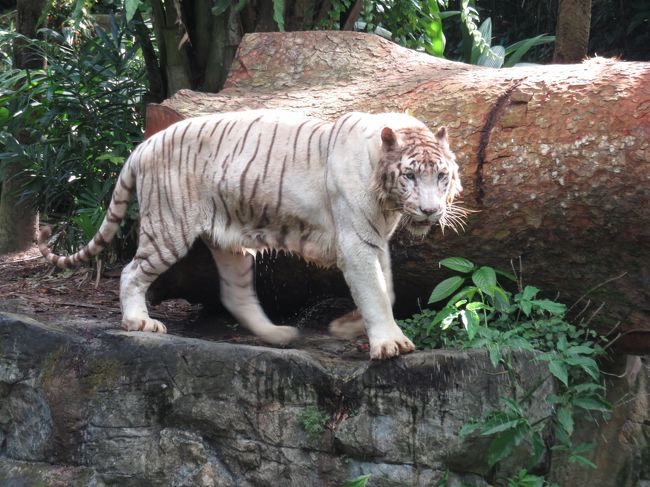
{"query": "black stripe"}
pixel 242 178
pixel 369 244
pixel 225 208
pixel 268 155
pixel 156 248
pixel 214 218
pixel 374 228
pixel 309 146
pixel 279 203
pixel 295 141
pixel 215 127
pixel 338 131
pixel 198 136
pixel 243 139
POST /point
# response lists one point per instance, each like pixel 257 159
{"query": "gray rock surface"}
pixel 83 407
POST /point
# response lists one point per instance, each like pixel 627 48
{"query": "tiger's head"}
pixel 419 178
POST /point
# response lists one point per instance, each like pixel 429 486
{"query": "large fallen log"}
pixel 556 158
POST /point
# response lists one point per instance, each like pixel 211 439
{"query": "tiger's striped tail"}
pixel 122 193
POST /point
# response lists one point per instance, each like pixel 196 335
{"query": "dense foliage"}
pixel 72 125
pixel 480 313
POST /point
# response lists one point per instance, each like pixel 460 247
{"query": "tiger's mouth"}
pixel 419 227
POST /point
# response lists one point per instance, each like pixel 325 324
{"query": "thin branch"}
pixel 597 286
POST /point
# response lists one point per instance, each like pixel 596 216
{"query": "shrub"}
pixel 480 313
pixel 71 126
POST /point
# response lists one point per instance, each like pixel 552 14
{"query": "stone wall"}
pixel 83 407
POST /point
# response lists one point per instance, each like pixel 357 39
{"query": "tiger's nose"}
pixel 427 211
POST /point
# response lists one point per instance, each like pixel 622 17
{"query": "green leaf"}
pixel 441 316
pixel 492 58
pixel 526 307
pixel 519 342
pixel 580 460
pixel 592 403
pixel 584 349
pixel 359 481
pixel 537 442
pixel 458 264
pixel 529 292
pixel 278 14
pixel 516 51
pixel 446 288
pixel 565 419
pixel 494 352
pixel 468 429
pixel 131 6
pixel 559 370
pixel 485 279
pixel 471 322
pixel 505 443
pixel 506 425
pixel 501 299
pixel 551 306
pixel 508 275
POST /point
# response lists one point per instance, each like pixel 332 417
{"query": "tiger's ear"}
pixel 388 137
pixel 441 135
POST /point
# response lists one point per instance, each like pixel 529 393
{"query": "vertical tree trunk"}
pixel 19 219
pixel 572 31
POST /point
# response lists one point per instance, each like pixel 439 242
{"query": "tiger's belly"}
pixel 313 244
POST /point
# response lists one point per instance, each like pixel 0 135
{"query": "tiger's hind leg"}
pixel 239 297
pixel 151 260
pixel 133 288
pixel 349 326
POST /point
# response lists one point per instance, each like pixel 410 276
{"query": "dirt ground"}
pixel 76 299
pixel 29 285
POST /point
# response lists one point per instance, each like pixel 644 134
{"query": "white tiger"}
pixel 271 179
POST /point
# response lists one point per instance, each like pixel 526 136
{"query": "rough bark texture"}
pixel 555 158
pixel 572 31
pixel 84 406
pixel 19 218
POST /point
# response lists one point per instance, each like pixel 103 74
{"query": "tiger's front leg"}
pixel 361 265
pixel 350 325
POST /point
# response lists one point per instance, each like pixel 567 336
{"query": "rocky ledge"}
pixel 116 408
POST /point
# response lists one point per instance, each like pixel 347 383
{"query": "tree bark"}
pixel 556 159
pixel 18 217
pixel 572 31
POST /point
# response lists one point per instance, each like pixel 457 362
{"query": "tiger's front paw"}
pixel 144 324
pixel 279 335
pixel 383 348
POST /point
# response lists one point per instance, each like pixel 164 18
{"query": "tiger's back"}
pixel 248 180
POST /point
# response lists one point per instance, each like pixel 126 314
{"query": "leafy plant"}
pixel 314 421
pixel 360 481
pixel 417 25
pixel 480 313
pixel 71 126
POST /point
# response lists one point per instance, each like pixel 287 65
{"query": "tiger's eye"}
pixel 410 176
pixel 442 176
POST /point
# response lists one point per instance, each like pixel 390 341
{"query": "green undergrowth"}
pixel 485 308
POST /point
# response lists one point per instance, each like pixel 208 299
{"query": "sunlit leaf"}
pixel 485 279
pixel 445 288
pixel 458 264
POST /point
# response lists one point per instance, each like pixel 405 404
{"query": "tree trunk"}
pixel 556 159
pixel 197 47
pixel 19 218
pixel 572 31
